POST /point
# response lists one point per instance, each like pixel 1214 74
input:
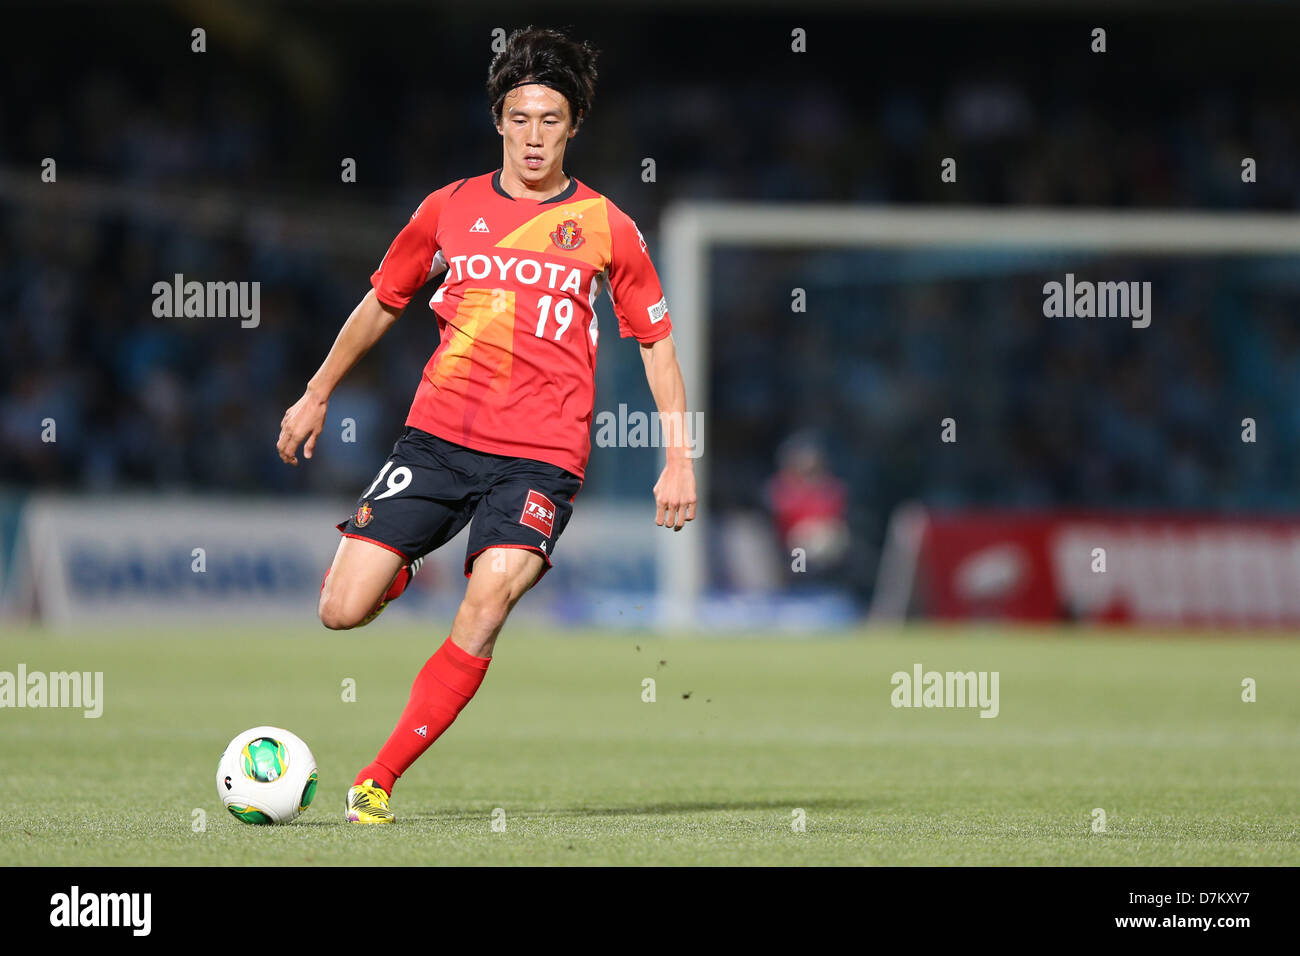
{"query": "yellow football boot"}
pixel 368 803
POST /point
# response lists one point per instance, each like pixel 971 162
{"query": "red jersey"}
pixel 515 371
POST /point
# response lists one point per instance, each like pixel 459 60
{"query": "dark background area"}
pixel 260 123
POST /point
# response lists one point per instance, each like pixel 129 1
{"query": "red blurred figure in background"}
pixel 809 505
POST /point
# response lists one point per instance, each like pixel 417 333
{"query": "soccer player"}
pixel 499 431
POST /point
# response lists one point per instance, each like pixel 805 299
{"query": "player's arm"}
pixel 642 312
pixel 675 490
pixel 305 419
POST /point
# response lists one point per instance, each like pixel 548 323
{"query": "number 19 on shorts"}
pixel 397 481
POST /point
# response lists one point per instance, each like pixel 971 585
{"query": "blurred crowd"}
pixel 1048 412
pixel 1199 411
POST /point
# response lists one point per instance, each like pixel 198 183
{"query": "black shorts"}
pixel 430 489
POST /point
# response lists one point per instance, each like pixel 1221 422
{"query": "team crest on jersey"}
pixel 364 514
pixel 539 513
pixel 568 235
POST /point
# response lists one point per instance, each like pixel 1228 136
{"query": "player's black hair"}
pixel 548 57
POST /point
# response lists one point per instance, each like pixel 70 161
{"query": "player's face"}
pixel 536 126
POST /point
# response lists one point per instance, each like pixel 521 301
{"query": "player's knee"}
pixel 487 612
pixel 336 613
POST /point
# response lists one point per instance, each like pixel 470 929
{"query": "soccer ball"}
pixel 266 775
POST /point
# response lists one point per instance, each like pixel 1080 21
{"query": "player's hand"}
pixel 675 494
pixel 304 420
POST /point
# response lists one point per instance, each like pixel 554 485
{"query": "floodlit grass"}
pixel 743 734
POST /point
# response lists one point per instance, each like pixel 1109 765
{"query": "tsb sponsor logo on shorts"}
pixel 539 513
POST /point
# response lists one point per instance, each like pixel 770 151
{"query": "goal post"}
pixel 691 230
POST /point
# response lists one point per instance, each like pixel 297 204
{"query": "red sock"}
pixel 441 690
pixel 398 586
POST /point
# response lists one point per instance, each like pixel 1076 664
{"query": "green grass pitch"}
pixel 1152 729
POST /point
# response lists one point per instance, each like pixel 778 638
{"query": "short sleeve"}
pixel 634 285
pixel 409 262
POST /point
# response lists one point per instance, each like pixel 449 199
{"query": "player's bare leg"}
pixel 358 579
pixel 501 577
pixel 449 679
